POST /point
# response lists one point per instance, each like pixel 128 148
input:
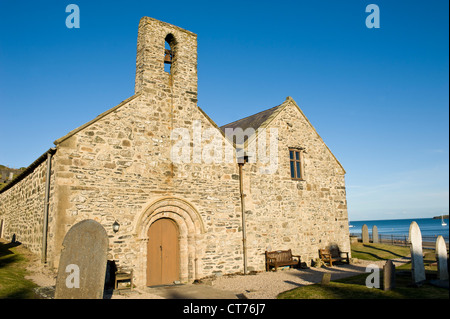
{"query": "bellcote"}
pixel 166 58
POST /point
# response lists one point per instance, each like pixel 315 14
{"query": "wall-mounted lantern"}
pixel 116 226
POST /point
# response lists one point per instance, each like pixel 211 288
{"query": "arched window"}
pixel 169 52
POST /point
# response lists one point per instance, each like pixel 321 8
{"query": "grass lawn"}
pixel 378 252
pixel 13 284
pixel 355 287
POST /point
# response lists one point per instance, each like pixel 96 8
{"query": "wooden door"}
pixel 163 261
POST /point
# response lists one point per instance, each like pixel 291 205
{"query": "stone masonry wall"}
pixel 118 166
pixel 115 168
pixel 22 209
pixel 300 215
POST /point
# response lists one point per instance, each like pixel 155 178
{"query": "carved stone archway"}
pixel 191 230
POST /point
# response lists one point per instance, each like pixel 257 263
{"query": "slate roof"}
pixel 262 120
pixel 254 121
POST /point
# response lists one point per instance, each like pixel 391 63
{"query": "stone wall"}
pixel 150 74
pixel 22 209
pixel 119 166
pixel 300 215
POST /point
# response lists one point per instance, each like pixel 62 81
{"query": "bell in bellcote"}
pixel 168 57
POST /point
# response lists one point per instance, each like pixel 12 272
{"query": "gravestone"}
pixel 389 276
pixel 417 266
pixel 375 238
pixel 441 256
pixel 326 279
pixel 82 265
pixel 365 234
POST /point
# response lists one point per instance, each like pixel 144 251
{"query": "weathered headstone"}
pixel 375 238
pixel 365 234
pixel 326 279
pixel 82 265
pixel 388 276
pixel 441 256
pixel 417 266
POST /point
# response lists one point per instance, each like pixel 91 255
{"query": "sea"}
pixel 430 228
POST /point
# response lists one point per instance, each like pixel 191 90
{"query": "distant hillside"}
pixel 439 217
pixel 3 167
pixel 8 174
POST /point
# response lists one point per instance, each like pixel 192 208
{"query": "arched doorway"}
pixel 163 253
pixel 190 237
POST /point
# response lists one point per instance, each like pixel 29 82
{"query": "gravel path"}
pixel 262 285
pixel 267 285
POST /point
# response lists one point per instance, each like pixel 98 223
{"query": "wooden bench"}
pixel 333 255
pixel 281 258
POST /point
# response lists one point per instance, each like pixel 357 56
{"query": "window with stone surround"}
pixel 296 163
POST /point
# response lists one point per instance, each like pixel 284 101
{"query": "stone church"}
pixel 156 172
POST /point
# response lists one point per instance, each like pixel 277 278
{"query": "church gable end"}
pixel 296 199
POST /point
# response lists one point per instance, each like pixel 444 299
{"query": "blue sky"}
pixel 378 97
